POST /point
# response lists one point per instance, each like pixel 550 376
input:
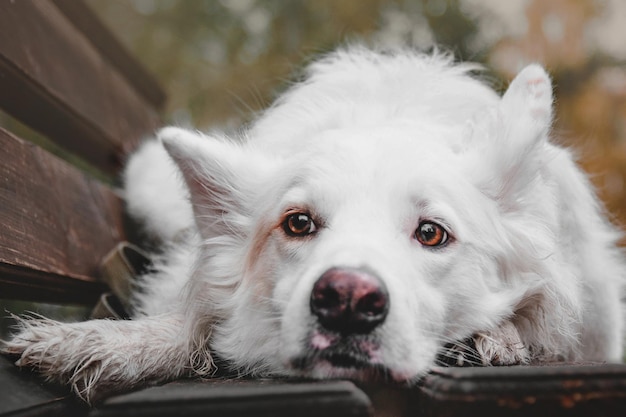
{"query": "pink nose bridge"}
pixel 349 301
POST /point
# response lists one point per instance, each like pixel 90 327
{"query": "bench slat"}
pixel 538 391
pixel 231 398
pixel 24 394
pixel 95 31
pixel 58 224
pixel 54 79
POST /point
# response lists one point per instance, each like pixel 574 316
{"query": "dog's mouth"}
pixel 353 357
pixel 341 360
pixel 341 365
pixel 346 360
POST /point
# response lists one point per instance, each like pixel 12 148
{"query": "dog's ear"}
pixel 517 134
pixel 526 111
pixel 219 174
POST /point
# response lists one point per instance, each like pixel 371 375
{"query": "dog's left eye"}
pixel 431 234
pixel 299 224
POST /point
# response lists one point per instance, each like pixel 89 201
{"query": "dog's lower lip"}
pixel 342 360
pixel 336 360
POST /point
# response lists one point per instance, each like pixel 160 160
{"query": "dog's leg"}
pixel 100 357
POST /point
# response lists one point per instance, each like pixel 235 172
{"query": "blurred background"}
pixel 220 61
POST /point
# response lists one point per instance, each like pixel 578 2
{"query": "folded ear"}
pixel 219 174
pixel 517 134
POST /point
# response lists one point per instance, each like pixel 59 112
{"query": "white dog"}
pixel 379 215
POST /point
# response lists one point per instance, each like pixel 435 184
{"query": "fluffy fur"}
pixel 368 147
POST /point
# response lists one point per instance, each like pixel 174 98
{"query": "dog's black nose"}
pixel 349 301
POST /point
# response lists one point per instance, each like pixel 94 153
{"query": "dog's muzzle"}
pixel 349 301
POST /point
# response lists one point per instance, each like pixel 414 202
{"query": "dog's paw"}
pixel 34 344
pixel 42 344
pixel 100 357
pixel 501 346
pixel 61 352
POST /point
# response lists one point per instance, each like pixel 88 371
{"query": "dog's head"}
pixel 362 250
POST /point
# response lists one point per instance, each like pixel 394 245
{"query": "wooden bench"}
pixel 64 75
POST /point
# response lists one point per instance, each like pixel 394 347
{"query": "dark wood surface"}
pixel 55 80
pixel 535 391
pixel 24 394
pixel 230 398
pixel 550 390
pixel 57 226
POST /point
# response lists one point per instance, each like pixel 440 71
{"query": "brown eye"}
pixel 298 225
pixel 431 234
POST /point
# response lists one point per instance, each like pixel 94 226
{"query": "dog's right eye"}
pixel 299 225
pixel 431 234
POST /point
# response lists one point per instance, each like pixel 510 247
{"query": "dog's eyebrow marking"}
pixel 257 245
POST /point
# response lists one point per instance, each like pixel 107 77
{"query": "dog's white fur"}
pixel 369 145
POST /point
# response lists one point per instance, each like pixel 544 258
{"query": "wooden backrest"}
pixel 64 75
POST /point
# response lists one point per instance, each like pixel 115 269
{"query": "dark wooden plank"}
pixel 24 394
pixel 28 284
pixel 229 398
pixel 57 225
pixel 563 390
pixel 112 50
pixel 53 79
